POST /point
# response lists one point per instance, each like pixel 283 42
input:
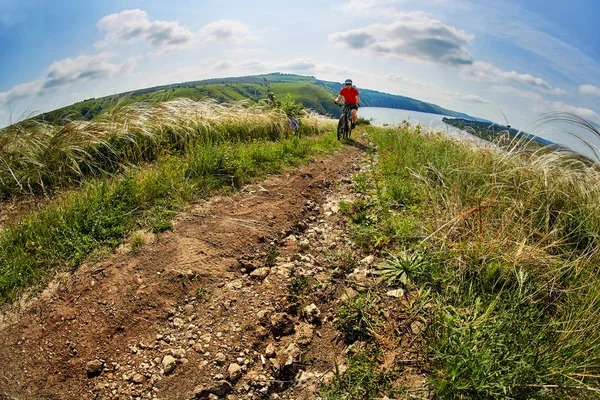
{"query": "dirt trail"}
pixel 198 312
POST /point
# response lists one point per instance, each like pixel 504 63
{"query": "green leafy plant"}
pixel 358 318
pixel 298 287
pixel 399 269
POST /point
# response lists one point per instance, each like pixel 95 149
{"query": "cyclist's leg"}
pixel 354 116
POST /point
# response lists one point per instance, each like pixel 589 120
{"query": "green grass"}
pixel 103 211
pixel 358 318
pixel 510 247
pixel 362 379
pixel 41 158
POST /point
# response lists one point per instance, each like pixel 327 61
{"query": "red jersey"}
pixel 349 95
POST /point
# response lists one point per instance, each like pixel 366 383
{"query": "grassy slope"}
pixel 311 92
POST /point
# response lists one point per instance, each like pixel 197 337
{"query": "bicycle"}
pixel 344 129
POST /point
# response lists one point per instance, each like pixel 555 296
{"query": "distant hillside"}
pixel 311 92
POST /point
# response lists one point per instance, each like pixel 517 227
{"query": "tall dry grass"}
pixel 512 240
pixel 37 157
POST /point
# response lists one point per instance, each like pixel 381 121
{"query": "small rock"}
pixel 360 277
pixel 304 334
pixel 417 327
pixel 169 363
pixel 178 322
pixel 261 332
pixel 260 273
pixel 188 309
pixel 270 351
pixel 312 313
pixel 284 269
pixel 281 324
pixel 368 260
pixel 94 368
pixel 220 358
pixel 250 265
pixel 198 348
pixel 304 245
pixel 237 284
pixel 264 316
pixel 219 388
pixel 178 353
pixel 395 293
pixel 293 354
pixel 235 372
pixel 138 379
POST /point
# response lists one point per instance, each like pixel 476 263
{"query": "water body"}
pixel 394 116
pixel 554 132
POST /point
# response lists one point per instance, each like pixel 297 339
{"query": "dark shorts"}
pixel 352 106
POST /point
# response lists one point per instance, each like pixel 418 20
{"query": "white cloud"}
pixel 486 72
pixel 246 52
pixel 132 25
pixel 21 91
pixel 539 104
pixel 412 36
pixel 522 94
pixel 225 64
pixel 298 64
pixel 466 98
pixel 69 70
pixel 402 79
pixel 84 68
pixel 371 7
pixel 585 113
pixel 225 31
pixel 255 65
pixel 589 89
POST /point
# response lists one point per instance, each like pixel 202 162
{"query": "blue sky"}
pixel 521 58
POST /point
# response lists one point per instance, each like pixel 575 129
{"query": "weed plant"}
pixel 511 239
pixel 362 379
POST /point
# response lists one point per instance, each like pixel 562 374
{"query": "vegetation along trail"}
pixel 194 308
pixel 404 264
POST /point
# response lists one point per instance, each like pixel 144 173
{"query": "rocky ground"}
pixel 236 302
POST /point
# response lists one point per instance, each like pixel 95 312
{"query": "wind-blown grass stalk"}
pixel 37 157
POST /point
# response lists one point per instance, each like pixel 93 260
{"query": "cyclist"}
pixel 351 99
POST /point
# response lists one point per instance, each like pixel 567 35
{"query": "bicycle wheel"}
pixel 341 127
pixel 348 125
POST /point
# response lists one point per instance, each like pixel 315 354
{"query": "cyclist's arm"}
pixel 357 99
pixel 338 98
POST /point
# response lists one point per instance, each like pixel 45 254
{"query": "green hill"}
pixel 311 92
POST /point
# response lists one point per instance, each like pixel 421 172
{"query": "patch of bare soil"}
pixel 202 311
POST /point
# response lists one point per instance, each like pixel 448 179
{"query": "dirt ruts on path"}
pixel 193 312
